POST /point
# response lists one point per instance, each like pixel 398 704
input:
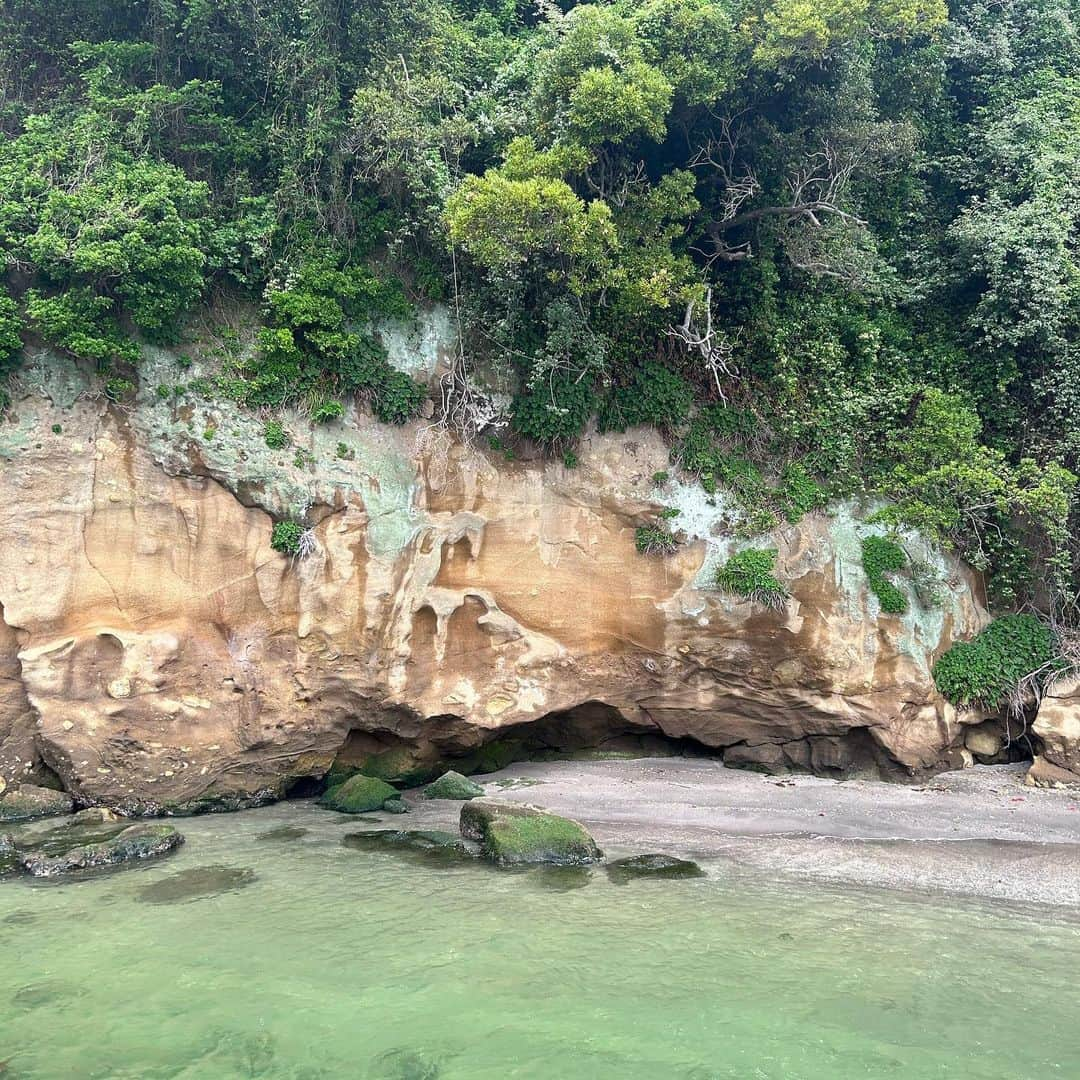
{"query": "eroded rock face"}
pixel 159 656
pixel 1057 724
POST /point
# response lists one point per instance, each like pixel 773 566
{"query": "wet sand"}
pixel 980 832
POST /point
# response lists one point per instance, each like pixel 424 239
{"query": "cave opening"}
pixel 591 730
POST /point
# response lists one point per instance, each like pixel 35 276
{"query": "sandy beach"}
pixel 979 832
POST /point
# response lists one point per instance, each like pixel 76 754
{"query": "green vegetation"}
pixel 881 556
pixel 749 574
pixel 828 249
pixel 657 539
pixel 286 536
pixel 275 436
pixel 988 672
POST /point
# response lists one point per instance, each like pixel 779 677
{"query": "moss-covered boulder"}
pixel 26 802
pixel 622 871
pixel 452 785
pixel 358 795
pixel 512 834
pixel 71 848
pixel 396 805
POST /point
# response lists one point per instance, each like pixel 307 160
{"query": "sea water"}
pixel 265 947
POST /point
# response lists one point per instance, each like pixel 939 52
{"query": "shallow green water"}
pixel 327 961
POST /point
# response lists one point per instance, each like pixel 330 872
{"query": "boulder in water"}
pixel 67 849
pixel 9 860
pixel 396 805
pixel 668 867
pixel 452 785
pixel 513 834
pixel 25 802
pixel 358 795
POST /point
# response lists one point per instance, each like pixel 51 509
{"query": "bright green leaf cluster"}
pixel 986 672
pixel 749 574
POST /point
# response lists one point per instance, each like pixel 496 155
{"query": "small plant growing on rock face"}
pixel 654 540
pixel 881 556
pixel 275 435
pixel 118 389
pixel 657 539
pixel 57 429
pixel 749 574
pixel 286 537
pixel 325 411
pixel 344 452
pixel 570 460
pixel 660 478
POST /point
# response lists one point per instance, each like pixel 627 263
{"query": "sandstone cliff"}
pixel 155 652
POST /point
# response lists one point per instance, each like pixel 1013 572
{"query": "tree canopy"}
pixel 833 240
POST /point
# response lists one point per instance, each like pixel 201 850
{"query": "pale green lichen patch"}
pixel 417 346
pixel 920 628
pixel 188 423
pixel 54 375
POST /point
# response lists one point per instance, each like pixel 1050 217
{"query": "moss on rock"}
pixel 26 802
pixel 510 834
pixel 358 795
pixel 452 785
pixel 67 849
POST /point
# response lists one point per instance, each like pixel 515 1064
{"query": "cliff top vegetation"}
pixel 829 248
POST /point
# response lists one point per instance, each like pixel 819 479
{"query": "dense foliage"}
pixel 992 670
pixel 881 557
pixel 827 248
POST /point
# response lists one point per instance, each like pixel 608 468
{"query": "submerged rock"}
pixel 194 884
pixel 403 1065
pixel 425 841
pixel 452 785
pixel 652 866
pixel 67 849
pixel 25 802
pixel 358 795
pixel 511 834
pixel 49 992
pixel 283 833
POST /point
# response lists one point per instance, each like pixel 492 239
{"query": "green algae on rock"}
pixel 55 855
pixel 622 871
pixel 452 785
pixel 511 834
pixel 396 805
pixel 358 795
pixel 26 802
